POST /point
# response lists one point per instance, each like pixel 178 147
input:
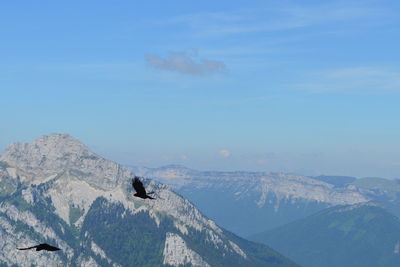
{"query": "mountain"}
pixel 361 235
pixel 55 190
pixel 383 191
pixel 256 201
pixel 339 181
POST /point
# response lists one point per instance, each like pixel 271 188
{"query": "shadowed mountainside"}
pixel 361 235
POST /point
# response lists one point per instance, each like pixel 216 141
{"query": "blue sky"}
pixel 311 87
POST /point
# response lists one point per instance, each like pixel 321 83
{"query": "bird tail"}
pixel 150 193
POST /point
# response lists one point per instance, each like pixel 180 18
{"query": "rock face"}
pixel 270 199
pixel 59 192
pixel 177 253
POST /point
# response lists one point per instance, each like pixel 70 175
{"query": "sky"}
pixel 308 87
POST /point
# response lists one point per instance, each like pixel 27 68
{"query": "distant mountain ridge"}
pixel 276 183
pixel 271 199
pixel 339 181
pixel 55 190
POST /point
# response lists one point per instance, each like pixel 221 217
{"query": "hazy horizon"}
pixel 181 164
pixel 309 88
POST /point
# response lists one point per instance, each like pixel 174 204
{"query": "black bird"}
pixel 40 247
pixel 140 191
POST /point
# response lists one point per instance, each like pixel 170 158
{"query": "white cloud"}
pixel 186 63
pixel 225 153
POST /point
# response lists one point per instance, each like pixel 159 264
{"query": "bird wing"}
pixel 27 248
pixel 138 186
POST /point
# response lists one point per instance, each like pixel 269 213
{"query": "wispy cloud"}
pixel 275 17
pixel 186 63
pixel 356 79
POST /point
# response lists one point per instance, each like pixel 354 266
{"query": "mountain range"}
pixel 270 199
pixel 56 190
pixel 316 221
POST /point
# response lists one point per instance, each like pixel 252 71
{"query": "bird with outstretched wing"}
pixel 40 247
pixel 139 188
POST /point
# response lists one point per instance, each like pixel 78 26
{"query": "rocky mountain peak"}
pixel 48 156
pixel 45 151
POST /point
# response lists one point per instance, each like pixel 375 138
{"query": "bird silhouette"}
pixel 139 188
pixel 40 247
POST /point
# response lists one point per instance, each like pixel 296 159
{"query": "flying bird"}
pixel 139 188
pixel 40 247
